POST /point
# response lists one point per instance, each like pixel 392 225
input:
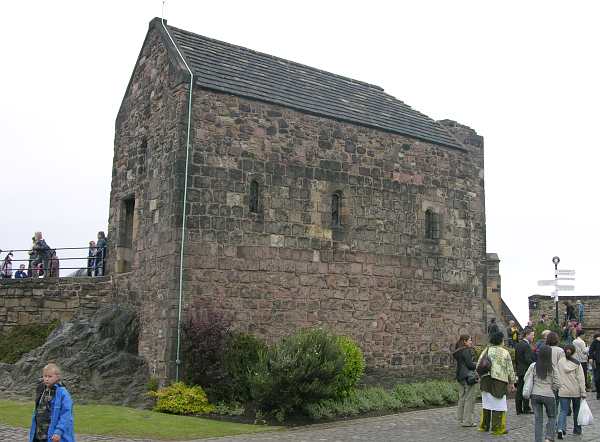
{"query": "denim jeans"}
pixel 539 403
pixel 564 409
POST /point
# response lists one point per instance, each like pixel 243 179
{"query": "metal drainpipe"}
pixel 185 185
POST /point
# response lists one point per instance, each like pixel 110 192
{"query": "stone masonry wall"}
pixel 148 166
pixel 404 298
pixel 40 301
pixel 375 278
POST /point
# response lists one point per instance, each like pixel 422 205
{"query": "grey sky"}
pixel 523 74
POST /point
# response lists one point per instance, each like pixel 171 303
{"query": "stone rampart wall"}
pixel 545 304
pixel 40 301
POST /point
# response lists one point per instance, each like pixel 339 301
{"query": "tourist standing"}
pixel 580 311
pixel 492 327
pixel 541 341
pixel 594 360
pixel 467 380
pixel 42 252
pixel 101 249
pixel 571 391
pixel 545 383
pixel 524 357
pixel 494 386
pixel 570 311
pixel 53 415
pixel 6 268
pixel 512 334
pixel 581 354
pixel 91 262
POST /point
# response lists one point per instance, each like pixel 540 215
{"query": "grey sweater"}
pixel 543 387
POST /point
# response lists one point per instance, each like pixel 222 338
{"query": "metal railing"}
pixel 47 262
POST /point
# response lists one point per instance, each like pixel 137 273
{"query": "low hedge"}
pixel 378 400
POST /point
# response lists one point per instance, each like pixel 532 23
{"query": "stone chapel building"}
pixel 312 200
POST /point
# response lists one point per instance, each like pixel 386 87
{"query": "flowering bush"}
pixel 179 398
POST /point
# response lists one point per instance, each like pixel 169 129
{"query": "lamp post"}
pixel 555 261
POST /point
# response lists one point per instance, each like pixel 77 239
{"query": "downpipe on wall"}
pixel 185 186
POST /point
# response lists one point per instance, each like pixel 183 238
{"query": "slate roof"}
pixel 243 72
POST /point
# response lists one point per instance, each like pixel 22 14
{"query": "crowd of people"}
pixel 43 260
pixel 545 377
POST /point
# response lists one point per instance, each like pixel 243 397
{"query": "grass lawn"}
pixel 112 420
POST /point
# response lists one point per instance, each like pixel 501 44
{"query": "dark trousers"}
pixel 597 379
pixel 522 405
pixel 584 365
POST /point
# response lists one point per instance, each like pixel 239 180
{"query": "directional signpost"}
pixel 559 275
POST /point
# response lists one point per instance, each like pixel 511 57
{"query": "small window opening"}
pixel 126 227
pixel 336 209
pixel 432 225
pixel 254 197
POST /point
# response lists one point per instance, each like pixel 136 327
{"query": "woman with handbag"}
pixel 498 377
pixel 541 380
pixel 467 380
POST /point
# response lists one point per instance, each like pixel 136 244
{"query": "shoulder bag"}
pixel 485 364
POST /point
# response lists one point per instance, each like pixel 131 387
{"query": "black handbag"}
pixel 471 378
pixel 485 364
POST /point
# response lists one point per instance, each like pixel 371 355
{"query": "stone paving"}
pixel 416 426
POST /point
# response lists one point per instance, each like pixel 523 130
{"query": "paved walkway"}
pixel 417 426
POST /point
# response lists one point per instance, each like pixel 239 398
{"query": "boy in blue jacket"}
pixel 53 415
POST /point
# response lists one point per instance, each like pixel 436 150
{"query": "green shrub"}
pixel 229 409
pixel 241 358
pixel 448 390
pixel 407 395
pixel 429 392
pixel 152 384
pixel 375 399
pixel 179 398
pixel 354 366
pixel 22 339
pixel 301 369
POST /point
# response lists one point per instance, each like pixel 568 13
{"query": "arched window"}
pixel 254 197
pixel 432 224
pixel 336 209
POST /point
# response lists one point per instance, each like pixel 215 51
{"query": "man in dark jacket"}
pixel 594 361
pixel 524 357
pixel 493 327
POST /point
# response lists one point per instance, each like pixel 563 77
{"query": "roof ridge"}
pixel 285 60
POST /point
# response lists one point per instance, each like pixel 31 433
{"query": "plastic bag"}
pixel 585 414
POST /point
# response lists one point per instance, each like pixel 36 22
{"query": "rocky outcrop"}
pixel 98 357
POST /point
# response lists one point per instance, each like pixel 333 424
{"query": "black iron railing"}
pixel 36 263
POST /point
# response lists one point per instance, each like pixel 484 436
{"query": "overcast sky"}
pixel 524 75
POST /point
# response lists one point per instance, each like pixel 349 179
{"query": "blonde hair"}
pixel 52 367
pixel 545 333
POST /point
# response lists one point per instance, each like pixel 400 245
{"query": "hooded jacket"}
pixel 465 362
pixel 61 417
pixel 571 379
